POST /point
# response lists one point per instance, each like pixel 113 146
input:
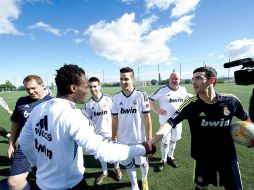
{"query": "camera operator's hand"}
pixel 150 149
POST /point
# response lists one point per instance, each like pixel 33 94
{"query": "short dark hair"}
pixel 94 79
pixel 127 70
pixel 66 76
pixel 209 71
pixel 37 78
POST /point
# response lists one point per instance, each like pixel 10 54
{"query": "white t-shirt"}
pixel 99 111
pixel 169 100
pixel 130 111
pixel 51 138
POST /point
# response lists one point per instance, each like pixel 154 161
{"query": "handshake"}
pixel 150 148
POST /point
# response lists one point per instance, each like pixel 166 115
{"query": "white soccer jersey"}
pixel 169 100
pixel 99 112
pixel 51 138
pixel 130 111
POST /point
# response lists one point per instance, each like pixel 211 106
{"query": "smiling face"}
pixel 127 81
pixel 174 80
pixel 80 91
pixel 34 90
pixel 94 88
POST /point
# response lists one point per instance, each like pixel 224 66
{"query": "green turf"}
pixel 169 178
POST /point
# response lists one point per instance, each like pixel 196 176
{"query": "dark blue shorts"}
pixel 229 174
pixel 19 163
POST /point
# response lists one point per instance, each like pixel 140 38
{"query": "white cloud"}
pixel 46 27
pixel 240 49
pixel 71 30
pixel 211 54
pixel 78 40
pixel 9 12
pixel 181 7
pixel 125 41
pixel 160 4
pixel 128 1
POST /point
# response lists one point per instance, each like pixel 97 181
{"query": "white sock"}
pixel 172 147
pixel 104 166
pixel 132 176
pixel 164 152
pixel 117 165
pixel 144 170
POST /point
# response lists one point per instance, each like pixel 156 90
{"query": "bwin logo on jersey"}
pixel 127 111
pixel 102 112
pixel 42 148
pixel 175 100
pixel 220 123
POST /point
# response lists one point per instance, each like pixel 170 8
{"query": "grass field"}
pixel 180 178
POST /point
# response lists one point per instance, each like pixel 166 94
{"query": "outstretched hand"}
pixel 150 148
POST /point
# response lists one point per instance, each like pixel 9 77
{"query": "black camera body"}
pixel 245 76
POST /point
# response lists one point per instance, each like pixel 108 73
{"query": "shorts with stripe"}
pixel 228 170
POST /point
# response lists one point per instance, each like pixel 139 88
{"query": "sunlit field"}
pixel 180 178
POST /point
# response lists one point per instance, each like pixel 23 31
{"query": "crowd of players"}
pixel 119 130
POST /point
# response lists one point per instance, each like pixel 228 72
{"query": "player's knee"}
pixel 164 145
pixel 15 183
pixel 144 165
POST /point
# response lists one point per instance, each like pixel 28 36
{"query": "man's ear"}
pixel 212 80
pixel 73 88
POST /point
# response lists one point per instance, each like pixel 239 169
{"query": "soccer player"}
pixel 55 133
pixel 98 108
pixel 130 116
pixel 20 166
pixel 210 115
pixel 170 98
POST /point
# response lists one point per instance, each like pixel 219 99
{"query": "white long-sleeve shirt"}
pixel 52 139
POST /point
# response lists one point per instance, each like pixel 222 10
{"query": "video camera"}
pixel 245 76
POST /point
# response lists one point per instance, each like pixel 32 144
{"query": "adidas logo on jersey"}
pixel 41 129
pixel 202 114
pixel 220 123
pixel 127 111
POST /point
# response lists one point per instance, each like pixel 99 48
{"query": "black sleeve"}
pixel 251 107
pixel 181 113
pixel 240 113
pixel 15 117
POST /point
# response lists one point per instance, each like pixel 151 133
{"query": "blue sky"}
pixel 39 36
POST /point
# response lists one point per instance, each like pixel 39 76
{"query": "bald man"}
pixel 170 97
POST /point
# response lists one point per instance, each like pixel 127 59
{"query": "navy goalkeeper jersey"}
pixel 23 108
pixel 210 125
